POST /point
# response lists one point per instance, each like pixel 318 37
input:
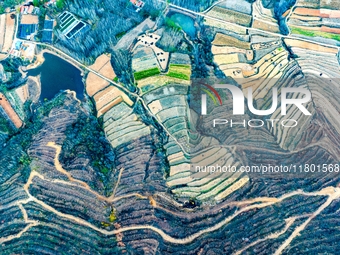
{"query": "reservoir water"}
pixel 185 22
pixel 57 74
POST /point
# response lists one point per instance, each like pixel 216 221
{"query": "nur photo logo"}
pixel 284 101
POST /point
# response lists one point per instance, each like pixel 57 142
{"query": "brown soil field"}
pixel 327 13
pixel 10 111
pixel 29 19
pixel 103 66
pixel 307 12
pixel 100 62
pixel 286 13
pixel 102 98
pixel 304 18
pixel 227 40
pixel 108 95
pixel 109 106
pixel 309 46
pixel 107 71
pixel 94 84
pixel 330 30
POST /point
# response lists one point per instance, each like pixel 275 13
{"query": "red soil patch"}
pixel 330 30
pixel 307 12
pixel 10 111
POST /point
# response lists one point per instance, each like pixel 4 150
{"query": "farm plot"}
pixel 180 71
pixel 143 58
pixel 309 46
pixel 227 40
pixel 103 66
pixel 146 73
pixel 222 25
pixel 271 27
pixel 9 33
pixel 230 16
pixel 313 33
pixel 109 97
pixel 151 83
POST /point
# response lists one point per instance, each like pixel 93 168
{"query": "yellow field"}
pixel 226 59
pixel 227 40
pixel 265 26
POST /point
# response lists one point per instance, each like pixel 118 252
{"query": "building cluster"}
pixel 29 24
pixel 29 9
pixel 139 4
pixel 23 49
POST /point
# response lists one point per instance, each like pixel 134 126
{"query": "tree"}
pixel 36 3
pixel 60 4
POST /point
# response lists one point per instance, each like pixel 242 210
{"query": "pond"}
pixel 57 74
pixel 185 22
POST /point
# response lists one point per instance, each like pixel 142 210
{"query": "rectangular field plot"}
pixel 146 73
pixel 179 71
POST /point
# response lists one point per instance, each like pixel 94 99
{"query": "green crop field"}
pixel 146 73
pixel 300 31
pixel 178 75
pixel 182 72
